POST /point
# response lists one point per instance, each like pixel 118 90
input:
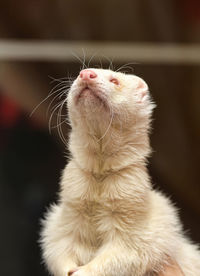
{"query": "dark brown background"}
pixel 31 159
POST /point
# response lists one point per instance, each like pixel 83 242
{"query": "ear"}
pixel 141 89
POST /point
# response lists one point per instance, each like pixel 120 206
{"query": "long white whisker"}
pixel 80 60
pixel 109 125
pixel 90 60
pixel 60 80
pixel 59 123
pixel 51 116
pixel 101 65
pixel 84 59
pixel 51 93
pixel 59 95
pixel 126 66
pixel 111 66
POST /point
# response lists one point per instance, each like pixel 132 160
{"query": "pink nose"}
pixel 87 74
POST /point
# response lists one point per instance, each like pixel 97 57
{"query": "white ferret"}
pixel 109 221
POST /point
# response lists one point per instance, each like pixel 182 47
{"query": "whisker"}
pixel 50 107
pixel 59 95
pixel 109 125
pixel 101 66
pixel 60 80
pixel 59 122
pixel 84 59
pixel 52 92
pixel 90 60
pixel 126 66
pixel 51 116
pixel 83 65
pixel 111 66
pixel 57 103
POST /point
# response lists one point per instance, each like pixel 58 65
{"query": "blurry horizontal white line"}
pixel 63 51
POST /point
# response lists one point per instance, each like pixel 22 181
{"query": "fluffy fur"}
pixel 109 221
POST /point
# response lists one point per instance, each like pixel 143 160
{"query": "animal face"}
pixel 99 93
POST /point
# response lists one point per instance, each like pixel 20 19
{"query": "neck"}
pixel 115 151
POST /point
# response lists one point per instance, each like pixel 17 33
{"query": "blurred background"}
pixel 39 40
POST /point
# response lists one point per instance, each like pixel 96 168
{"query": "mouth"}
pixel 89 93
pixel 85 91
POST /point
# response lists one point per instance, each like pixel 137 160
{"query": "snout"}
pixel 87 75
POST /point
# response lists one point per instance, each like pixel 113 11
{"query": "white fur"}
pixel 109 221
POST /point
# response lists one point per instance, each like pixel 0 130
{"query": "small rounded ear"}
pixel 142 89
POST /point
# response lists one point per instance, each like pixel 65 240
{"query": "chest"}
pixel 96 209
pixel 95 219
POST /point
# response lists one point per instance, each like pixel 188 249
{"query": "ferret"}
pixel 109 221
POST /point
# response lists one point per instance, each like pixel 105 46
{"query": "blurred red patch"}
pixel 9 112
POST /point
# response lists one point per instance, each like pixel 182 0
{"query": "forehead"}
pixel 110 73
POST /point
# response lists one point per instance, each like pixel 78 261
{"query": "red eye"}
pixel 115 81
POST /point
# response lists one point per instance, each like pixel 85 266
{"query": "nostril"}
pixel 87 74
pixel 93 75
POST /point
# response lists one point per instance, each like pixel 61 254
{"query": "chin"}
pixel 88 101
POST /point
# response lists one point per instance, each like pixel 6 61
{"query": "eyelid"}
pixel 114 80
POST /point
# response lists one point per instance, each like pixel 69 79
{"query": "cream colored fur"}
pixel 109 221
